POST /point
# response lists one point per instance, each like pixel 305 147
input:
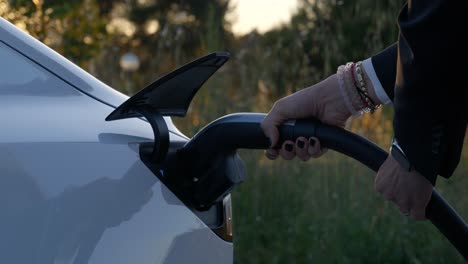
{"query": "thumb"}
pixel 270 130
pixel 272 133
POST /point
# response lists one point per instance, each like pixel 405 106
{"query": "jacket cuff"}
pixel 384 64
pixel 399 155
pixel 378 88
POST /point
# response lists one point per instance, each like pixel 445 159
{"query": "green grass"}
pixel 326 211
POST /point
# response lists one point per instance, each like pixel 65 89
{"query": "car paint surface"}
pixel 72 187
pixel 63 68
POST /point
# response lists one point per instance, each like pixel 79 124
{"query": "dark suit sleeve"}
pixel 430 94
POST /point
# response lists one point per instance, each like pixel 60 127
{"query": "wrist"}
pixel 327 102
pixel 353 85
pixel 399 155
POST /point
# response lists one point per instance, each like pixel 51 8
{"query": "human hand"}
pixel 408 190
pixel 322 101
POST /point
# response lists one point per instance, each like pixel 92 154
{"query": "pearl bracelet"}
pixel 353 89
pixel 343 89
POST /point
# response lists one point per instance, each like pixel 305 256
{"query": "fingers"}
pixel 418 208
pixel 314 149
pixel 269 127
pixel 386 180
pixel 271 132
pixel 271 154
pixel 407 190
pixel 287 151
pixel 411 207
pixel 271 122
pixel 404 210
pixel 415 211
pixel 418 214
pixel 403 204
pixel 302 146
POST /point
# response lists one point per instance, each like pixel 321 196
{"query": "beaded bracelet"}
pixel 353 89
pixel 362 94
pixel 362 90
pixel 358 103
pixel 342 86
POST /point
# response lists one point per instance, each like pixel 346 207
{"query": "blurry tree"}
pixel 335 31
pixel 94 34
pixel 322 35
pixel 73 28
pixel 164 34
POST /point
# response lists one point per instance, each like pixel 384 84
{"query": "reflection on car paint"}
pixel 72 187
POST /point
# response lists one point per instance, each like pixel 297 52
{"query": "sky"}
pixel 260 14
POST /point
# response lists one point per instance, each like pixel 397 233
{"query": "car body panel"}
pixel 72 187
pixel 63 68
pixel 99 208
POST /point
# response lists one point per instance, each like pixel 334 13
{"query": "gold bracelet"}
pixel 361 86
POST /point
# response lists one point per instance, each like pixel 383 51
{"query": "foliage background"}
pixel 322 211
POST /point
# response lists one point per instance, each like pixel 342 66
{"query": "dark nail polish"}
pixel 312 142
pixel 300 143
pixel 288 147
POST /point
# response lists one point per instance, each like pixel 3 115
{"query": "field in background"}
pixel 326 211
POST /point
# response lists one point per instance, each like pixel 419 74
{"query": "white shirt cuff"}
pixel 378 88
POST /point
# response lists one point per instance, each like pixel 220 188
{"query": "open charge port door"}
pixel 205 188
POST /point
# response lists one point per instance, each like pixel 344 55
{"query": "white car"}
pixel 89 175
pixel 73 188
